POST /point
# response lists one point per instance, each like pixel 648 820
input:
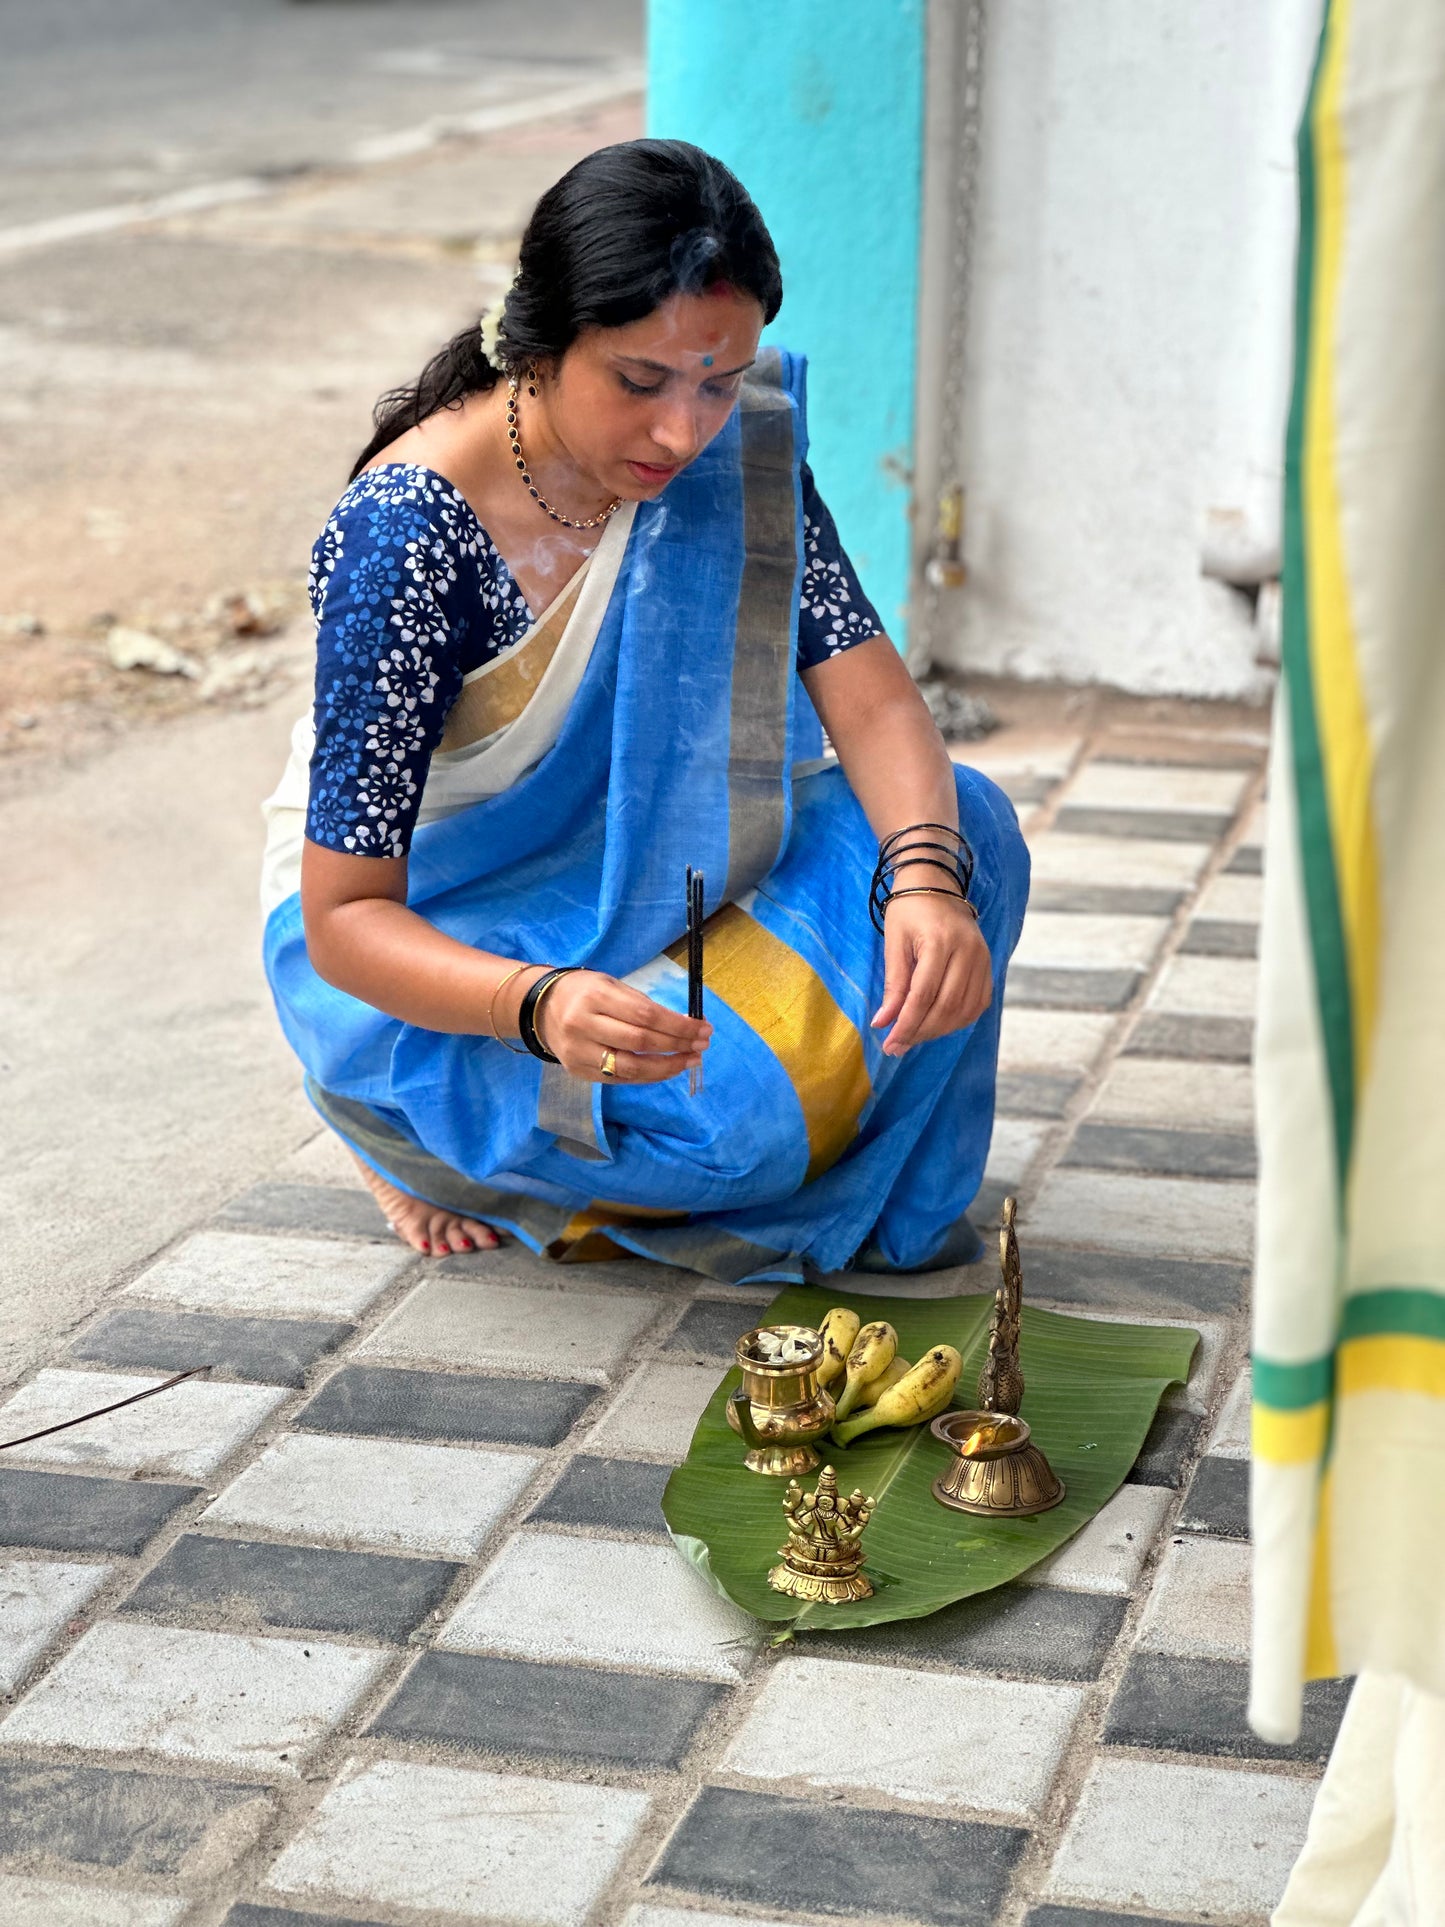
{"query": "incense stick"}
pixel 695 914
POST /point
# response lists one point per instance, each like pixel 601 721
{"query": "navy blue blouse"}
pixel 410 596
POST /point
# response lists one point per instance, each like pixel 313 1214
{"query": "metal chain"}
pixel 964 207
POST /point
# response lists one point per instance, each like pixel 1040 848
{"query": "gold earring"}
pixel 532 381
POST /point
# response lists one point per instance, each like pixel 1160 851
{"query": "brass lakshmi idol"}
pixel 823 1559
pixel 780 1407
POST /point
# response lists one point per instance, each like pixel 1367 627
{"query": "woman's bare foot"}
pixel 426 1227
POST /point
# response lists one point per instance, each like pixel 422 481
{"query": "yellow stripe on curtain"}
pixel 1344 733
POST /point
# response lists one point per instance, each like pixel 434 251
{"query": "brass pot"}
pixel 779 1409
pixel 1007 1477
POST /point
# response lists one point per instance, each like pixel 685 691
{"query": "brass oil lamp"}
pixel 997 1470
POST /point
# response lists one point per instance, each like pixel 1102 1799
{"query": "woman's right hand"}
pixel 587 1013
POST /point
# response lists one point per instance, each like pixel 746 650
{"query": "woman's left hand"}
pixel 938 973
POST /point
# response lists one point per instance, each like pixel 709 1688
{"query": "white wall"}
pixel 1129 341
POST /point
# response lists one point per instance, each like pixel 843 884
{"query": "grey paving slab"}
pixel 711 1328
pixel 1107 1554
pixel 1106 899
pixel 70 1512
pixel 1195 1840
pixel 923 1737
pixel 509 1707
pixel 340 1210
pixel 459 1319
pixel 270 1351
pixel 1074 940
pixel 1033 1094
pixel 1231 899
pixel 136 1823
pixel 1168 1449
pixel 1175 1217
pixel 184 1433
pixel 1165 826
pixel 1218 1499
pixel 398 1404
pixel 1198 1706
pixel 242 1584
pixel 1135 862
pixel 1207 986
pixel 621 1495
pixel 1048 987
pixel 1199 1604
pixel 466 1843
pixel 1015 1144
pixel 1215 937
pixel 38 1598
pixel 1140 1147
pixel 1230 1438
pixel 322 1160
pixel 656 1412
pixel 1020 789
pixel 1039 1632
pixel 384 1495
pixel 246 1913
pixel 1129 1281
pixel 27 1902
pixel 513 1264
pixel 1162 1091
pixel 1091 1917
pixel 1247 861
pixel 1142 787
pixel 1224 1040
pixel 217 1699
pixel 263 1273
pixel 553 1597
pixel 1060 1042
pixel 767 1851
pixel 1021 750
pixel 644 1915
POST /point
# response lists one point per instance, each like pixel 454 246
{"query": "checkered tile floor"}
pixel 377 1623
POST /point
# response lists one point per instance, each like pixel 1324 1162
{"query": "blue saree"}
pixel 689 740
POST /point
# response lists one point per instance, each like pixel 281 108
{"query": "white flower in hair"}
pixel 490 327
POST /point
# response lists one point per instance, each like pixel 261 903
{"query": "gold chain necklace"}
pixel 592 521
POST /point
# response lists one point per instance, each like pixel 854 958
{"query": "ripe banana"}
pixel 873 1351
pixel 838 1330
pixel 885 1381
pixel 916 1398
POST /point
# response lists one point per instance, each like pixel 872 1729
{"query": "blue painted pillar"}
pixel 817 106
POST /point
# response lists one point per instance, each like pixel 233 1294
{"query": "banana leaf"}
pixel 1091 1391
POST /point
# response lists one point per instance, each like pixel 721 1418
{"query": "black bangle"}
pixel 527 1015
pixel 896 853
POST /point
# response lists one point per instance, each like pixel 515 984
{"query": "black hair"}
pixel 622 231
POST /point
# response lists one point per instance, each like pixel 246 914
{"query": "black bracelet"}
pixel 896 853
pixel 527 1015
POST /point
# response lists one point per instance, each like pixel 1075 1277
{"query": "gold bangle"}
pixel 492 1009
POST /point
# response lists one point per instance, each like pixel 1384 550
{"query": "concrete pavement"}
pixel 377 1625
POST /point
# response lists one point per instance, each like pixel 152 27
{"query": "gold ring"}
pixel 608 1066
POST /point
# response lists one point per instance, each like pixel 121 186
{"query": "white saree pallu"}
pixel 1349 1376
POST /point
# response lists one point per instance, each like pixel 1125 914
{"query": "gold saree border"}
pixel 783 1000
pixel 497 696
